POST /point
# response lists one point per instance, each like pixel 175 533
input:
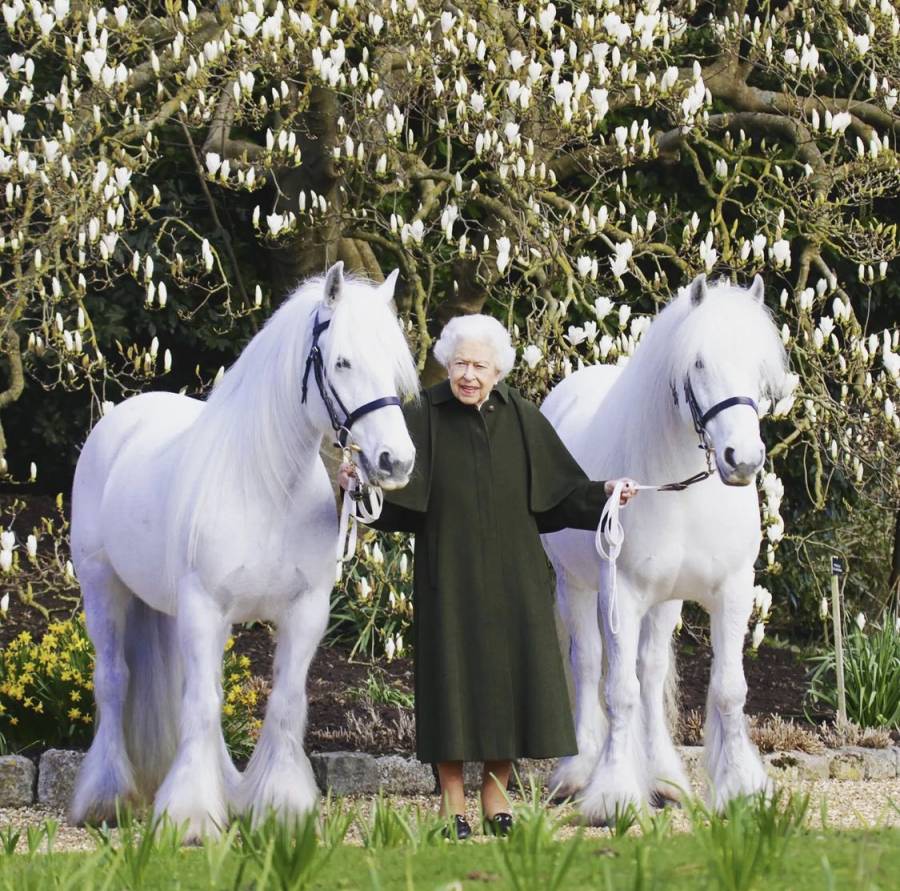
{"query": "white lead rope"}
pixel 609 538
pixel 608 542
pixel 354 511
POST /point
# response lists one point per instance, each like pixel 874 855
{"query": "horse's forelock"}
pixel 730 329
pixel 365 329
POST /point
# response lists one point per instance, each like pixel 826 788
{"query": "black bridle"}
pixel 701 419
pixel 316 362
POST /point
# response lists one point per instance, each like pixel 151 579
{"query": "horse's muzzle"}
pixel 393 483
pixel 737 481
pixel 389 473
pixel 739 473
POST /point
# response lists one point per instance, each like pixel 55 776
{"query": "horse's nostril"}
pixel 386 462
pixel 729 457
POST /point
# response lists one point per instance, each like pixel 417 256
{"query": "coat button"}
pixel 491 407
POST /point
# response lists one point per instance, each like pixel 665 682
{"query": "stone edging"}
pixel 50 783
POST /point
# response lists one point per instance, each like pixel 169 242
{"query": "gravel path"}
pixel 850 805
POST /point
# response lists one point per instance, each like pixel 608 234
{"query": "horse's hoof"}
pixel 596 821
pixel 562 796
pixel 660 800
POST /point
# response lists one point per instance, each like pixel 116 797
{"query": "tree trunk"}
pixel 16 385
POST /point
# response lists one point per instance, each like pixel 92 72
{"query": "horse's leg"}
pixel 194 788
pixel 279 776
pixel 732 761
pixel 668 780
pixel 106 775
pixel 578 609
pixel 619 779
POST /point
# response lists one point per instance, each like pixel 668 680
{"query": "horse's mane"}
pixel 253 436
pixel 642 430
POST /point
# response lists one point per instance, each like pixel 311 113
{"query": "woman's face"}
pixel 473 372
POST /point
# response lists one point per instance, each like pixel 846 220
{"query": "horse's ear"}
pixel 697 289
pixel 386 288
pixel 334 283
pixel 758 289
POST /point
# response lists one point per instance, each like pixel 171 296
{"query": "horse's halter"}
pixel 316 362
pixel 701 419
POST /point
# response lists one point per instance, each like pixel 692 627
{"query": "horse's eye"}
pixel 342 363
pixel 698 364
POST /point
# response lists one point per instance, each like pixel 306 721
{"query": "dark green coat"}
pixel 489 676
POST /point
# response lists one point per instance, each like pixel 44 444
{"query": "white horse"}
pixel 190 516
pixel 711 343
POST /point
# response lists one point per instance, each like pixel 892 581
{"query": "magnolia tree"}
pixel 565 165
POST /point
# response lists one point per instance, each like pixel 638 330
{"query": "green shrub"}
pixel 377 689
pixel 871 675
pixel 47 692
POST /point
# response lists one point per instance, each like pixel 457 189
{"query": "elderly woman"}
pixel 491 474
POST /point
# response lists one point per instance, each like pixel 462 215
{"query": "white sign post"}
pixel 837 569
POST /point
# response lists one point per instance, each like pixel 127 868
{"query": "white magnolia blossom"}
pixel 762 599
pixel 602 308
pixel 759 632
pixel 837 123
pixel 622 254
pixel 781 253
pixel 861 43
pixel 503 248
pixel 547 17
pixel 532 355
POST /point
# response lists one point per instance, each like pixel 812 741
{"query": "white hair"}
pixel 480 328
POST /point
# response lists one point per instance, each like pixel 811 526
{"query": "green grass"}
pixel 757 844
pixel 814 861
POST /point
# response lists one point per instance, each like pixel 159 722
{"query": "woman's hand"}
pixel 629 489
pixel 346 473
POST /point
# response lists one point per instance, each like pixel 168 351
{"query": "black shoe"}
pixel 499 824
pixel 459 830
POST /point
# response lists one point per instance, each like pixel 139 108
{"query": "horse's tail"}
pixel 152 707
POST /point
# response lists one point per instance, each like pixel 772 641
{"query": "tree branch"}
pixel 213 212
pixel 218 137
